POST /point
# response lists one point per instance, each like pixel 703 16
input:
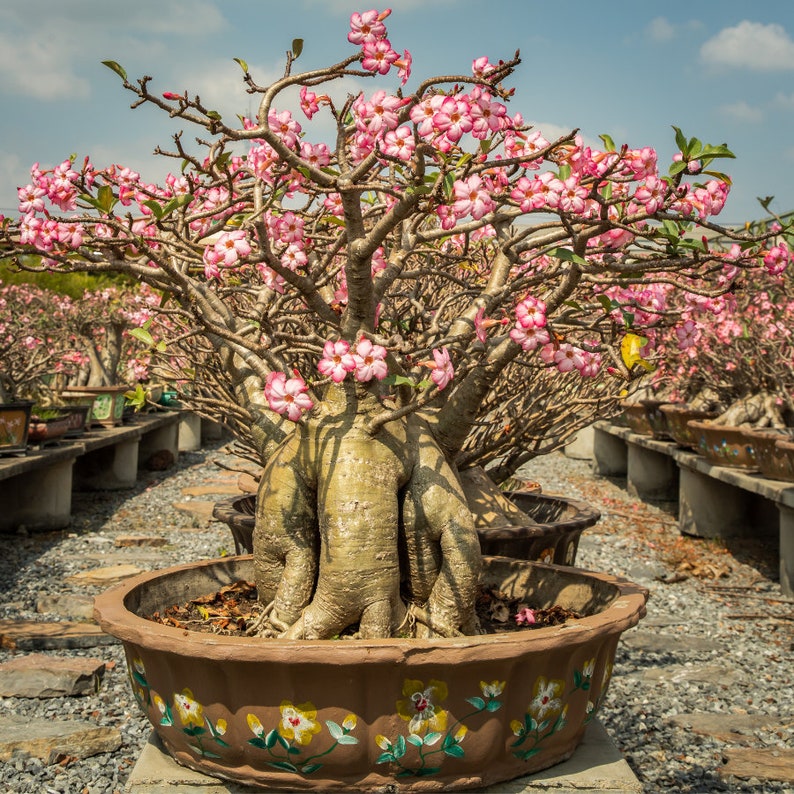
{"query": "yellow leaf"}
pixel 630 348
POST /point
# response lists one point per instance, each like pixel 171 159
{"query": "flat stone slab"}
pixel 106 576
pixel 656 642
pixel 728 728
pixel 700 673
pixel 200 510
pixel 126 541
pixel 38 675
pixel 33 635
pixel 55 740
pixel 768 763
pixel 217 487
pixel 71 606
pixel 596 766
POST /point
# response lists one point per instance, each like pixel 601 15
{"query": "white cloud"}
pixel 784 101
pixel 751 45
pixel 44 46
pixel 660 29
pixel 741 111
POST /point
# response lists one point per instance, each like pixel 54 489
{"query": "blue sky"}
pixel 722 71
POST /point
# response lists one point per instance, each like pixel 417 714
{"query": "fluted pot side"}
pixel 345 715
pixel 678 416
pixel 725 445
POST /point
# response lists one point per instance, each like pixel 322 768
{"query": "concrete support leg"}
pixel 38 499
pixel 786 550
pixel 610 454
pixel 189 432
pixel 710 508
pixel 211 431
pixel 651 475
pixel 110 468
pixel 160 439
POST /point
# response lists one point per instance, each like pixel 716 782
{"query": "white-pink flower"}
pixel 399 143
pixel 531 313
pixel 337 360
pixel 568 357
pixel 529 338
pixel 367 26
pixel 370 361
pixel 471 198
pixel 287 396
pixel 688 334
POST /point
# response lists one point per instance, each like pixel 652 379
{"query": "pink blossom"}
pixel 294 257
pixel 404 65
pixel 531 313
pixel 284 126
pixel 316 155
pixel 530 338
pixel 333 203
pixel 525 616
pixel 481 67
pixel 446 215
pixel 367 26
pixel 651 194
pixel 290 228
pixel 308 102
pixel 212 260
pixel 572 196
pixel 423 113
pixel 568 357
pixel 379 114
pixel 337 360
pixel 370 361
pixel 443 371
pixel 287 396
pixel 777 259
pixel 688 334
pixel 31 199
pixel 453 118
pixel 399 143
pixel 471 198
pixel 487 116
pixel 378 56
pixel 231 246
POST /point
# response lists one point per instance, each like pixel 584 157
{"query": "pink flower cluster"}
pixel 368 361
pixel 287 396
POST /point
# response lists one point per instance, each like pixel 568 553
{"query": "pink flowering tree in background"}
pixel 435 288
pixel 734 354
pixel 49 340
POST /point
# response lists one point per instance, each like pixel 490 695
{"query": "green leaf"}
pixel 493 705
pixel 399 748
pixel 242 63
pixel 347 739
pixel 680 140
pixel 455 750
pixel 567 256
pixel 477 702
pixel 105 198
pixel 214 115
pixel 677 167
pixel 114 67
pixel 609 144
pixel 385 758
pixel 309 768
pixel 415 740
pixel 297 48
pixel 605 302
pixel 271 738
pixel 155 206
pixel 432 738
pixel 399 380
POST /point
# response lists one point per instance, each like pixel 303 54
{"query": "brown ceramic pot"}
pixel 657 419
pixel 678 416
pixel 108 402
pixel 773 461
pixel 636 417
pixel 552 537
pixel 373 715
pixel 48 431
pixel 725 445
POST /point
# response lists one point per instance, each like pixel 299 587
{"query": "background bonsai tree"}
pixel 391 307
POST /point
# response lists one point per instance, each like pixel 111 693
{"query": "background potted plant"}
pixel 373 316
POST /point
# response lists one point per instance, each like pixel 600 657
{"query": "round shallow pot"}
pixel 373 715
pixel 774 461
pixel 657 419
pixel 554 538
pixel 678 416
pixel 725 445
pixel 635 416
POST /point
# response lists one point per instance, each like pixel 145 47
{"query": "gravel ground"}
pixel 697 590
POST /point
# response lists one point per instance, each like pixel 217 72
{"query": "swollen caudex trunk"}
pixel 373 530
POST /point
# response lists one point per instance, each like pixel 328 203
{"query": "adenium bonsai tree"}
pixel 388 309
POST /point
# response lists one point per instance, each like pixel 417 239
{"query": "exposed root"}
pixel 260 621
pixel 417 614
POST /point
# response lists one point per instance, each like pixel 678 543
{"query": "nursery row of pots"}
pixel 768 451
pixel 23 423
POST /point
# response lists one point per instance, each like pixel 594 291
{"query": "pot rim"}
pixel 115 618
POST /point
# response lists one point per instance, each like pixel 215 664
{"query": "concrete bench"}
pixel 713 501
pixel 36 488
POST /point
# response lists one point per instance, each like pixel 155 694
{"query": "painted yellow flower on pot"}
pixel 298 722
pixel 420 706
pixel 190 711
